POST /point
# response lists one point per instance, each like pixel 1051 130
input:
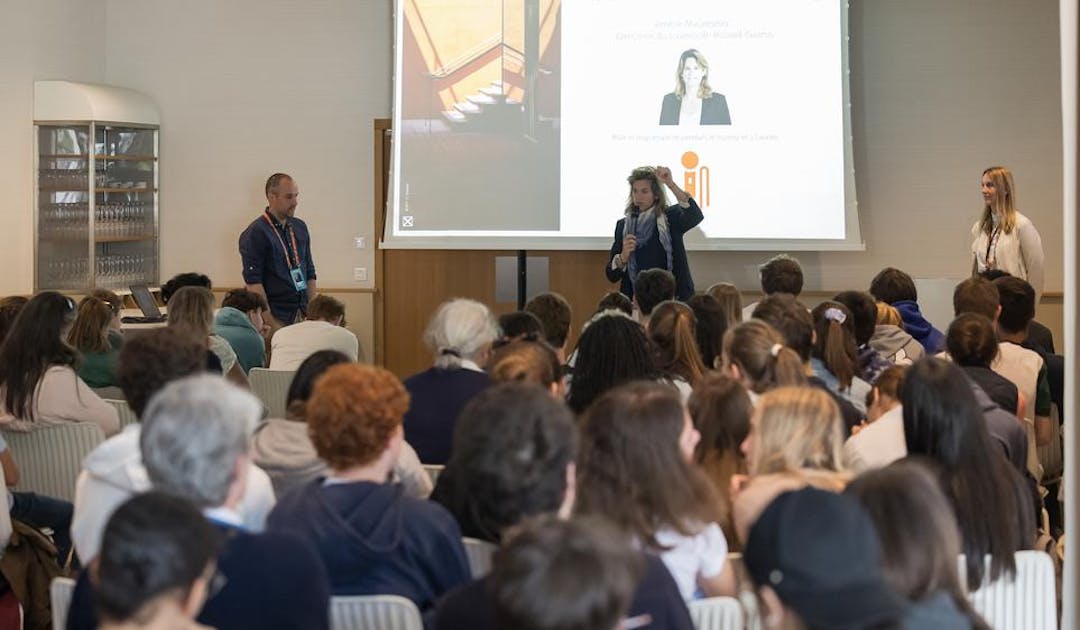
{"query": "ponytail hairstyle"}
pixel 525 361
pixel 835 342
pixel 761 356
pixel 673 331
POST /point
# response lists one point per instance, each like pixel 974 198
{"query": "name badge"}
pixel 298 279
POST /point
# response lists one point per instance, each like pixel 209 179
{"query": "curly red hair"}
pixel 353 412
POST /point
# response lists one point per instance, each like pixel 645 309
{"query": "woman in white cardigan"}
pixel 38 382
pixel 1004 238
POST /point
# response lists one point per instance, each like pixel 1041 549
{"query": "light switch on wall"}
pixel 360 274
pixel 359 241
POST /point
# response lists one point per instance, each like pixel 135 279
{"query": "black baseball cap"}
pixel 820 552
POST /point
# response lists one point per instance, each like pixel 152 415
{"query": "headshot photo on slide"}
pixel 693 102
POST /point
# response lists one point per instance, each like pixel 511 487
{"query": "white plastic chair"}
pixel 50 457
pixel 272 388
pixel 433 471
pixel 374 612
pixel 60 591
pixel 1026 602
pixel 716 613
pixel 124 410
pixel 480 553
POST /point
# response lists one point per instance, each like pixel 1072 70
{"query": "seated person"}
pixel 181 280
pixel 890 339
pixel 194 446
pixel 880 440
pixel 835 356
pixel 38 381
pixel 282 448
pixel 565 575
pixel 519 326
pixel 973 346
pixel 528 362
pixel 864 314
pixel 1039 337
pixel 897 289
pixel 815 560
pixel 1025 368
pixel 514 460
pixel 324 329
pixel 615 301
pixel 460 335
pixel 240 322
pixel 94 336
pixel 554 313
pixel 191 311
pixel 373 539
pixel 779 274
pixel 652 287
pixel 157 565
pixel 114 470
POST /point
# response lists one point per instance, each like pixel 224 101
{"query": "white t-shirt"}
pixel 879 444
pixel 688 557
pixel 292 344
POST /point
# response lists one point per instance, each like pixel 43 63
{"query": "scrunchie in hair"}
pixel 834 314
pixel 775 350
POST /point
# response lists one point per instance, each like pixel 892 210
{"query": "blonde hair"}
pixel 797 429
pixel 888 315
pixel 704 90
pixel 758 350
pixel 1003 204
pixel 90 332
pixel 730 300
pixel 191 310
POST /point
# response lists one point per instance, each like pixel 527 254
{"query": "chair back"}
pixel 124 410
pixel 374 612
pixel 272 388
pixel 716 613
pixel 1026 601
pixel 60 591
pixel 50 457
pixel 1050 454
pixel 480 553
pixel 433 471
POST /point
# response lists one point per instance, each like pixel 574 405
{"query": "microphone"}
pixel 634 214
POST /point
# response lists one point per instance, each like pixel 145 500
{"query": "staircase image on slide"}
pixel 489 110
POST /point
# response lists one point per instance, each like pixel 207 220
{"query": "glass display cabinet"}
pixel 96 219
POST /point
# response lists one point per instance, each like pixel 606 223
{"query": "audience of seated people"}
pixel 282 446
pixel 324 329
pixel 240 321
pixel 609 501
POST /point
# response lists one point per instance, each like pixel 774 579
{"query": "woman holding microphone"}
pixel 650 234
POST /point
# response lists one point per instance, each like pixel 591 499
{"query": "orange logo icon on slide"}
pixel 694 177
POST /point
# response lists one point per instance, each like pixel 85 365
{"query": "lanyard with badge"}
pixel 296 272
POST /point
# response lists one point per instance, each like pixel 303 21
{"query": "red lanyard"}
pixel 292 234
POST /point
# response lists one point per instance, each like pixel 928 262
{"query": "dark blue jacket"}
pixel 918 327
pixel 272 581
pixel 265 263
pixel 680 221
pixel 470 606
pixel 437 396
pixel 374 540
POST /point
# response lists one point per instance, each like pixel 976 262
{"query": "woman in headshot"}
pixel 693 102
pixel 650 234
pixel 1004 238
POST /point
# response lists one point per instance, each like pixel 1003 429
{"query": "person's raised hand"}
pixel 663 174
pixel 629 244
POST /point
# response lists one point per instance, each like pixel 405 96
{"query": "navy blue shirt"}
pixel 268 258
pixel 437 396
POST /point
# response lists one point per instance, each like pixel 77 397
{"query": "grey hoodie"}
pixel 896 345
pixel 283 449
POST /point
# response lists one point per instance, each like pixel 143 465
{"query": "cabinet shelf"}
pixel 81 238
pixel 102 158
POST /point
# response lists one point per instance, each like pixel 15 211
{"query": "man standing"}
pixel 276 253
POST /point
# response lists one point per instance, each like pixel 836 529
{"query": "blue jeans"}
pixel 40 511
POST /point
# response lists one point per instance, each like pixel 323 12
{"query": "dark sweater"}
pixel 437 397
pixel 374 540
pixel 1000 389
pixel 272 581
pixel 470 606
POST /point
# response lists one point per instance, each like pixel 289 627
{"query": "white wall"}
pixel 43 39
pixel 940 91
pixel 247 88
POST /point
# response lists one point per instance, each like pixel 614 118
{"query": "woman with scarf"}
pixel 650 234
